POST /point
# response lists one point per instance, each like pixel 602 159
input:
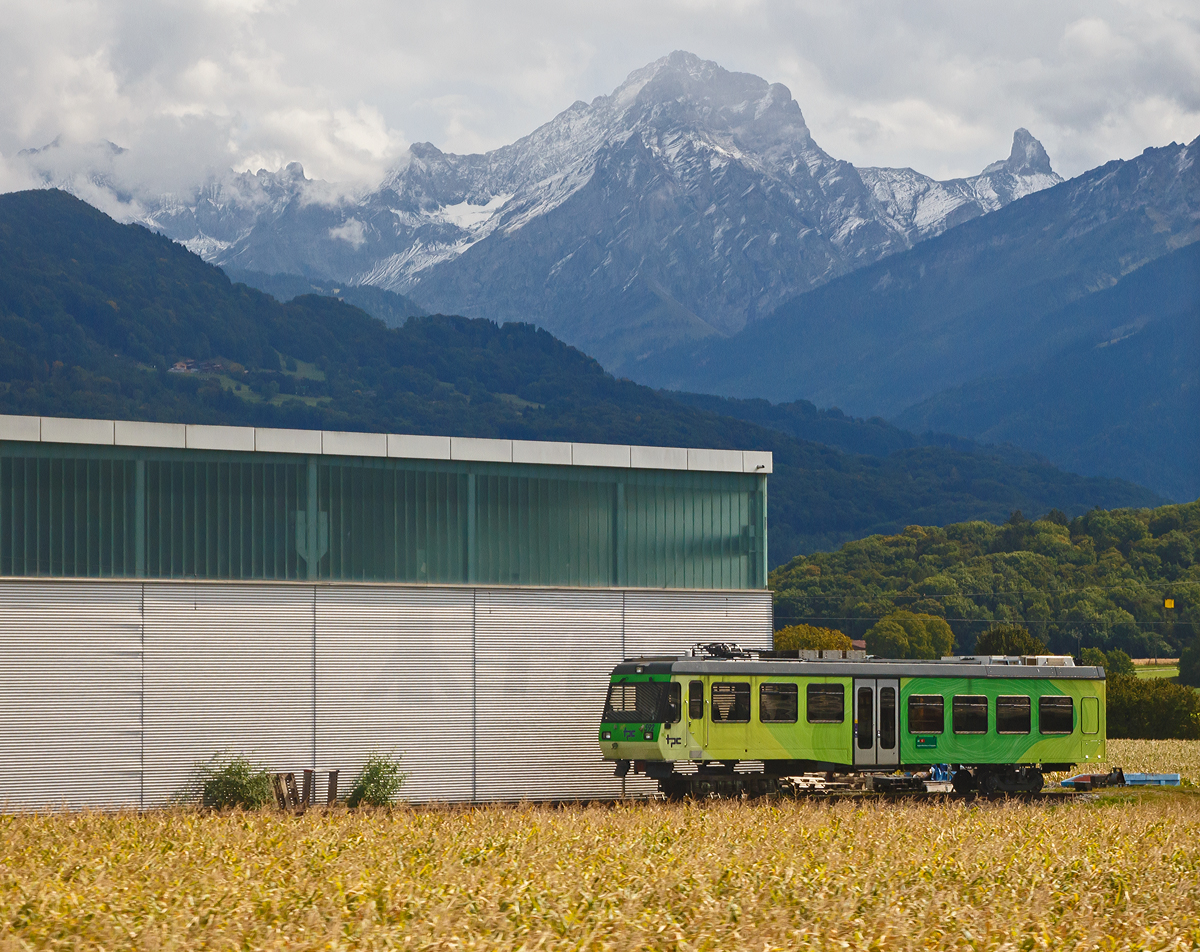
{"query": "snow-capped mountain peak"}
pixel 1028 157
pixel 687 202
pixel 919 207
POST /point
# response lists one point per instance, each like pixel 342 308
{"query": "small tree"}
pixel 888 639
pixel 1008 640
pixel 1189 665
pixel 909 635
pixel 1118 662
pixel 1115 662
pixel 810 637
pixel 234 782
pixel 379 782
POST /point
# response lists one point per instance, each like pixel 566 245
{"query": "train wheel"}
pixel 963 780
pixel 1036 781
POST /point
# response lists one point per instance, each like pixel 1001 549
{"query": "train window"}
pixel 778 703
pixel 1089 713
pixel 1056 714
pixel 926 714
pixel 634 702
pixel 731 702
pixel 671 702
pixel 1012 714
pixel 887 718
pixel 826 703
pixel 970 714
pixel 695 700
pixel 864 720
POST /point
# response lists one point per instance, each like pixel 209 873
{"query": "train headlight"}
pixel 607 735
pixel 648 735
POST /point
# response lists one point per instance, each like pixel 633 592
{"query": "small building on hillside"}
pixel 169 592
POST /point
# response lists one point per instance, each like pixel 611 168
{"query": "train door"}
pixel 876 733
pixel 696 721
pixel 1089 725
pixel 729 719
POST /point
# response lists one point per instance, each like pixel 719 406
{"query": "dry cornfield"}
pixel 1118 872
pixel 1157 756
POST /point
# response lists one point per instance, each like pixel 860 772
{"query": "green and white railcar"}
pixel 1000 722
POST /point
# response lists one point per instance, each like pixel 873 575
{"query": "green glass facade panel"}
pixel 380 520
pixel 67 517
pixel 78 511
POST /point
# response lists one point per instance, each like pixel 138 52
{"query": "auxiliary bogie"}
pixel 999 722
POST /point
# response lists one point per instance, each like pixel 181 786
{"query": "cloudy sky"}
pixel 343 88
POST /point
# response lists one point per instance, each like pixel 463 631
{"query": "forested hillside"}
pixel 1098 580
pixel 94 316
pixel 1140 416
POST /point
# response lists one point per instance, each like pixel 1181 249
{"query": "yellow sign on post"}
pixel 1169 603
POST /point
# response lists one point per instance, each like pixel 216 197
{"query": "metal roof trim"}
pixel 34 429
pixel 737 667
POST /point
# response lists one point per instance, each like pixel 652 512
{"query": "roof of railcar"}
pixel 855 669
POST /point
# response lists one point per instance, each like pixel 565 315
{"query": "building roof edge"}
pixel 129 433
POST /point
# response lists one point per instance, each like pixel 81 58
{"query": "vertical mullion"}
pixel 51 527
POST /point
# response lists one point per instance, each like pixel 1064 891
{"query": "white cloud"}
pixel 938 85
pixel 352 231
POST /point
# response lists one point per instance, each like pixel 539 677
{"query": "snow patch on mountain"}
pixel 468 215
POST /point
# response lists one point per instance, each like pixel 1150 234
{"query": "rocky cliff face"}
pixel 688 203
pixel 988 299
pixel 920 207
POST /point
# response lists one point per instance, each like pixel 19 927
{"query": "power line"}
pixel 1108 587
pixel 982 621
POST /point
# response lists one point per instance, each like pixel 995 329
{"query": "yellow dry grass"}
pixel 1117 873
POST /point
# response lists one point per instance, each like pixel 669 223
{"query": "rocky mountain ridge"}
pixel 922 207
pixel 688 203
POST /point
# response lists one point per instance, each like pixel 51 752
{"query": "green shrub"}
pixel 1189 665
pixel 810 637
pixel 235 782
pixel 1113 662
pixel 905 634
pixel 1152 708
pixel 379 782
pixel 1118 662
pixel 1008 640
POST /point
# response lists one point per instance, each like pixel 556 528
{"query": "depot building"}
pixel 170 593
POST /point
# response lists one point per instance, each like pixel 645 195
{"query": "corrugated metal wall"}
pixel 542 661
pixel 675 621
pixel 394 670
pixel 111 692
pixel 229 669
pixel 70 694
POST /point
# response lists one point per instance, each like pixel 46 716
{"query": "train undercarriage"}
pixel 720 779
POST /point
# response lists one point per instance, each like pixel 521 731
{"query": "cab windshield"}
pixel 642 702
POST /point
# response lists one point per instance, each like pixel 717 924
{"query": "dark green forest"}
pixel 94 315
pixel 1099 580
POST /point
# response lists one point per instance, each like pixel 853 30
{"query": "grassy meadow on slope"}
pixel 93 314
pixel 1116 873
